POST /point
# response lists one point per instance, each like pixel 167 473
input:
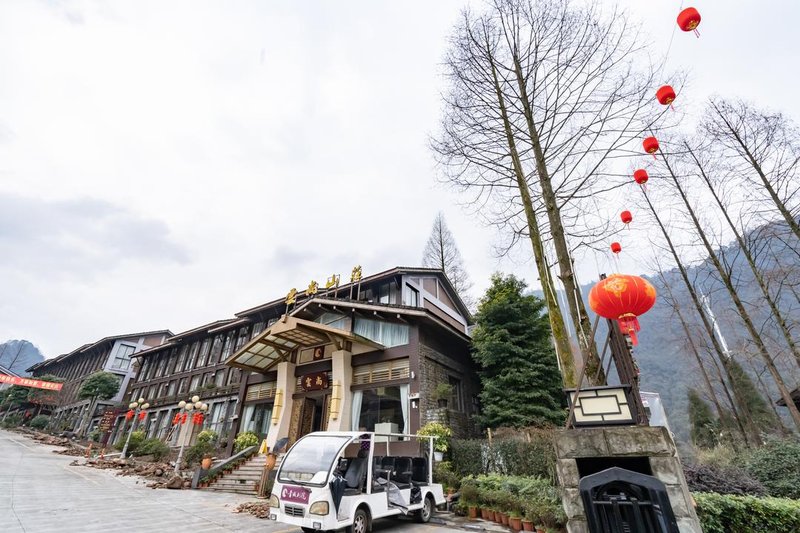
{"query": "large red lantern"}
pixel 689 20
pixel 129 415
pixel 665 95
pixel 616 247
pixel 142 416
pixel 640 176
pixel 650 146
pixel 623 298
pixel 626 217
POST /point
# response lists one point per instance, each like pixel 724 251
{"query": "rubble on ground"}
pixel 257 509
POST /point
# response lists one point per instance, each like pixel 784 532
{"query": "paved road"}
pixel 41 493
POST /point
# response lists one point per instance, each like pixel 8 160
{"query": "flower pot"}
pixel 504 519
pixel 206 463
pixel 472 512
pixel 271 459
pixel 540 529
pixel 486 513
pixel 438 456
pixel 515 523
pixel 527 525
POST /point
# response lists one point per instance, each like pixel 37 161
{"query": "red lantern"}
pixel 689 20
pixel 626 217
pixel 640 176
pixel 650 146
pixel 183 418
pixel 129 415
pixel 623 298
pixel 197 419
pixel 665 95
pixel 616 247
pixel 142 416
pixel 176 419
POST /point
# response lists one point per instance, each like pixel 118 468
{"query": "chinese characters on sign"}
pixel 315 381
pixel 26 382
pixel 331 283
pixel 294 494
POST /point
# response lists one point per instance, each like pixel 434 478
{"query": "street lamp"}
pixel 136 407
pixel 191 405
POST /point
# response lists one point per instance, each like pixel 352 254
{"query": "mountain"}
pixel 18 355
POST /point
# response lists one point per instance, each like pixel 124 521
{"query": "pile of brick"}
pixel 257 509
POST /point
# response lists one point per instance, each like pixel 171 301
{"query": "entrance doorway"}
pixel 313 416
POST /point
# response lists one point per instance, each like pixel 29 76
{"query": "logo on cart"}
pixel 295 494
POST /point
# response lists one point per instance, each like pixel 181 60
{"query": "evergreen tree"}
pixel 703 425
pixel 519 372
pixel 99 386
pixel 763 417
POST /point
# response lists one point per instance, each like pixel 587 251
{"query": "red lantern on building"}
pixel 640 176
pixel 665 95
pixel 176 419
pixel 626 217
pixel 129 415
pixel 142 416
pixel 616 247
pixel 623 298
pixel 197 419
pixel 689 20
pixel 650 146
pixel 183 418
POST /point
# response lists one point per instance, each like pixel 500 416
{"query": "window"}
pixel 122 359
pixel 455 399
pixel 216 350
pixel 233 376
pixel 190 360
pixel 195 384
pixel 410 296
pixel 226 348
pixel 204 351
pixel 182 385
pixel 387 333
pixel 382 409
pixel 256 418
pixel 258 327
pixel 219 378
pixel 184 351
pixel 171 388
pixel 334 320
pixel 162 363
pixel 242 338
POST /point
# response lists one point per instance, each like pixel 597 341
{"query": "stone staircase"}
pixel 244 479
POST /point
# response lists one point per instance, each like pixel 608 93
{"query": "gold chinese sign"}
pixel 332 283
pixel 315 381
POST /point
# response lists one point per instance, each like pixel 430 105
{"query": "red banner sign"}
pixel 315 381
pixel 27 382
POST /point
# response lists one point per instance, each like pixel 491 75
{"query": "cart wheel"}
pixel 360 522
pixel 423 516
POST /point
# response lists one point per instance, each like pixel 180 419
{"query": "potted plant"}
pixel 441 442
pixel 205 463
pixel 469 496
pixel 530 516
pixel 442 394
pixel 515 513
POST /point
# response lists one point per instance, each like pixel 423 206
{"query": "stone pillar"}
pixel 285 385
pixel 342 377
pixel 652 443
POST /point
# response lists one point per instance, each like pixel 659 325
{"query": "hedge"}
pixel 531 456
pixel 726 513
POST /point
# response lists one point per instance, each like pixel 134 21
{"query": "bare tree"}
pixel 725 277
pixel 765 149
pixel 543 96
pixel 442 252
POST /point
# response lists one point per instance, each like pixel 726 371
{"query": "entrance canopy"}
pixel 276 343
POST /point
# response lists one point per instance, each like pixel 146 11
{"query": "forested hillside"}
pixel 18 355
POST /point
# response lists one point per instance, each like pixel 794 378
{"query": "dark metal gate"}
pixel 622 501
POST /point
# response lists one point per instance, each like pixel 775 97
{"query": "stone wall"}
pixel 436 368
pixel 654 443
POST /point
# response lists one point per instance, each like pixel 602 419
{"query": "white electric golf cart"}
pixel 333 480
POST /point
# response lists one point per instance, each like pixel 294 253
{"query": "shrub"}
pixel 722 480
pixel 443 474
pixel 777 466
pixel 720 513
pixel 469 493
pixel 12 421
pixel 442 434
pixel 94 436
pixel 245 440
pixel 207 435
pixel 195 453
pixel 40 422
pixel 137 438
pixel 468 457
pixel 522 458
pixel 153 447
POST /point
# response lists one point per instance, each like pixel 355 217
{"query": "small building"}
pixel 109 354
pixel 367 356
pixel 7 372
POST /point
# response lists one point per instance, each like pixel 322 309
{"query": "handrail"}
pixel 215 469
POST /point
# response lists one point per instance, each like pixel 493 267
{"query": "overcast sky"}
pixel 165 164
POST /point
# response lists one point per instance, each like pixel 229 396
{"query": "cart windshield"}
pixel 310 460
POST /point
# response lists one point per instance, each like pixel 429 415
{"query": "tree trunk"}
pixel 750 261
pixel 577 310
pixel 560 337
pixel 751 329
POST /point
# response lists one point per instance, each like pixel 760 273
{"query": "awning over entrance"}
pixel 276 343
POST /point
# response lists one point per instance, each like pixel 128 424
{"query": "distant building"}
pixel 7 372
pixel 109 354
